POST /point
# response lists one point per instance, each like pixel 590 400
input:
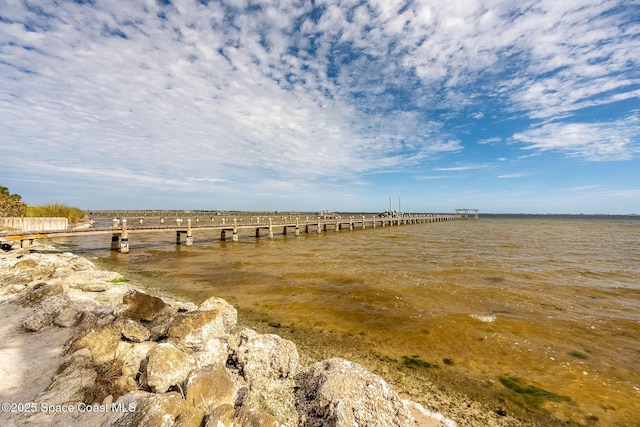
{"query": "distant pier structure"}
pixel 464 213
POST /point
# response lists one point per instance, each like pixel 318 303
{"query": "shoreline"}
pixel 42 341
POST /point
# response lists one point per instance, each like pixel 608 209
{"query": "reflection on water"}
pixel 499 308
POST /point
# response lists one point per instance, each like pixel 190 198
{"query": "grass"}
pixel 56 210
pixel 106 384
pixel 118 280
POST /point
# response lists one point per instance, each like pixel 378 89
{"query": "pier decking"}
pixel 120 229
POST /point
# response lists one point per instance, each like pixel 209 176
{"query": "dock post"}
pixel 124 238
pixel 350 223
pixel 161 220
pixel 297 227
pixel 25 244
pixel 373 220
pixel 319 226
pixel 271 228
pixel 223 235
pixel 363 226
pixel 116 222
pixel 115 242
pixel 235 237
pixel 141 220
pixel 189 234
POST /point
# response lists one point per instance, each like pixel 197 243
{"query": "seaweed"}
pixel 118 280
pixel 578 355
pixel 415 362
pixel 532 395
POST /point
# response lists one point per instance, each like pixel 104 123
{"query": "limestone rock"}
pixel 222 416
pixel 33 267
pixel 229 312
pixel 254 417
pixel 123 384
pixel 193 329
pixel 263 355
pixel 92 319
pixel 149 410
pixel 73 264
pixel 103 343
pixel 166 367
pixel 134 331
pixel 216 352
pixel 133 355
pixel 275 397
pixel 38 292
pixel 193 417
pixel 336 392
pixel 141 306
pixel 209 387
pixel 67 317
pixel 45 313
pixel 94 287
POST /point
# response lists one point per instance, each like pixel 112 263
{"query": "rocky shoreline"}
pixel 84 347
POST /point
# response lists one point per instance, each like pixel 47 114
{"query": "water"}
pixel 533 315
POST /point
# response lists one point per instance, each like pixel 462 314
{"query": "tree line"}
pixel 11 204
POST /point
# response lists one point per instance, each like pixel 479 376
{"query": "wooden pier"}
pixel 120 229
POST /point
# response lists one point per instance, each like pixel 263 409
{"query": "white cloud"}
pixel 490 141
pixel 463 167
pixel 512 175
pixel 593 141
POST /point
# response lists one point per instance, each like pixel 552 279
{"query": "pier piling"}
pixel 124 238
pixel 189 241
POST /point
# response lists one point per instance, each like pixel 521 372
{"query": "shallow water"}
pixel 537 314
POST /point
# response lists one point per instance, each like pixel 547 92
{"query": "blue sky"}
pixel 506 106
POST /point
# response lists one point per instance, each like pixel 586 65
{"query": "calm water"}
pixel 540 314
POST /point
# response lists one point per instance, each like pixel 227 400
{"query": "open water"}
pixel 531 315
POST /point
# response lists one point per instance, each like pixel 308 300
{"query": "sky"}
pixel 528 106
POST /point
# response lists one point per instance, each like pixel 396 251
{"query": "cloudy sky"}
pixel 502 105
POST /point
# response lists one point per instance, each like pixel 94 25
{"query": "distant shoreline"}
pixel 228 213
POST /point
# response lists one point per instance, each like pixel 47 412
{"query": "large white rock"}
pixel 263 355
pixel 167 366
pixel 339 393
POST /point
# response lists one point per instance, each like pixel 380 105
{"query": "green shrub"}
pixel 11 204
